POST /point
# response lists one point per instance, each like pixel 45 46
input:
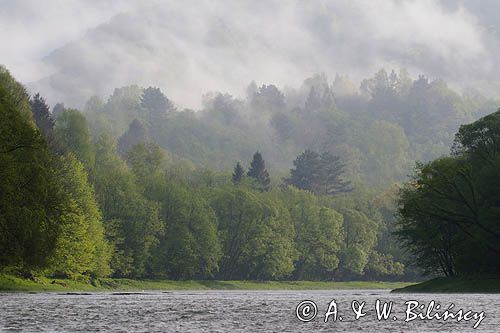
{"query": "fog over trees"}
pixel 313 141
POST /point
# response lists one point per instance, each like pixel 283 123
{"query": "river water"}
pixel 240 311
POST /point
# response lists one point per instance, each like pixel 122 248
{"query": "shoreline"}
pixel 10 283
pixel 448 285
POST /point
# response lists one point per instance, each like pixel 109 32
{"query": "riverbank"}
pixel 453 285
pixel 43 284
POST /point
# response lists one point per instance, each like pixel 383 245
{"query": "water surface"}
pixel 231 311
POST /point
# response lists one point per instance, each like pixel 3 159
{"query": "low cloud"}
pixel 75 49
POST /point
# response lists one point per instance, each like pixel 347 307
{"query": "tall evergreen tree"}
pixel 41 115
pixel 258 171
pixel 238 173
pixel 320 174
pixel 305 173
pixel 331 172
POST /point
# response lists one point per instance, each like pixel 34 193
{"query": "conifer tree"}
pixel 238 173
pixel 258 171
pixel 305 173
pixel 320 174
pixel 331 172
pixel 41 115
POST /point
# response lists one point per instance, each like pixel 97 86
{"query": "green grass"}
pixel 454 285
pixel 42 284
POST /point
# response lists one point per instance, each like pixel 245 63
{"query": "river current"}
pixel 245 311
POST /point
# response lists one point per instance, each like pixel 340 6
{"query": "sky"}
pixel 70 50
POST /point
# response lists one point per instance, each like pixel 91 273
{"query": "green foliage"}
pixel 48 215
pixel 132 222
pixel 451 204
pixel 41 115
pixel 320 174
pixel 359 240
pixel 163 203
pixel 318 235
pixel 256 235
pixel 259 172
pixel 238 173
pixel 189 248
pixel 80 246
pixel 72 132
pixel 30 194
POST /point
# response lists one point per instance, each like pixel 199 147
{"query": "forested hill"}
pixel 287 184
pixel 379 129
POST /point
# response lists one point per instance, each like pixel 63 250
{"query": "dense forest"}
pixel 302 183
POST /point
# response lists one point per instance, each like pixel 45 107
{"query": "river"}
pixel 242 311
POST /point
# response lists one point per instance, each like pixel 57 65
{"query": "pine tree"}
pixel 238 173
pixel 305 174
pixel 258 171
pixel 331 173
pixel 320 174
pixel 41 115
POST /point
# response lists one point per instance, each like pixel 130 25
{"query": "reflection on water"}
pixel 231 311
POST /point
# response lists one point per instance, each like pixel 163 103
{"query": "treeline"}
pixel 449 212
pixel 75 204
pixel 379 129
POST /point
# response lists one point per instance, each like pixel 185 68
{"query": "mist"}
pixel 71 50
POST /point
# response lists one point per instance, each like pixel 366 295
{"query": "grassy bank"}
pixel 12 283
pixel 453 285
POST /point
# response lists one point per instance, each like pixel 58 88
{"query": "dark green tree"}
pixel 331 173
pixel 320 174
pixel 306 172
pixel 41 115
pixel 259 172
pixel 238 173
pixel 30 193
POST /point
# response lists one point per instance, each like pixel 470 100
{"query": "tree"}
pixel 451 204
pixel 31 196
pixel 306 172
pixel 132 222
pixel 135 134
pixel 318 235
pixel 41 115
pixel 313 101
pixel 320 174
pixel 360 236
pixel 331 173
pixel 268 98
pixel 72 133
pixel 189 249
pixel 238 173
pixel 255 233
pixel 155 102
pixel 57 109
pixel 259 172
pixel 80 246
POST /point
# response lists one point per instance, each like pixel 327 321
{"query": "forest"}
pixel 307 183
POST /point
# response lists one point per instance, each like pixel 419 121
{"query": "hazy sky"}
pixel 72 49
